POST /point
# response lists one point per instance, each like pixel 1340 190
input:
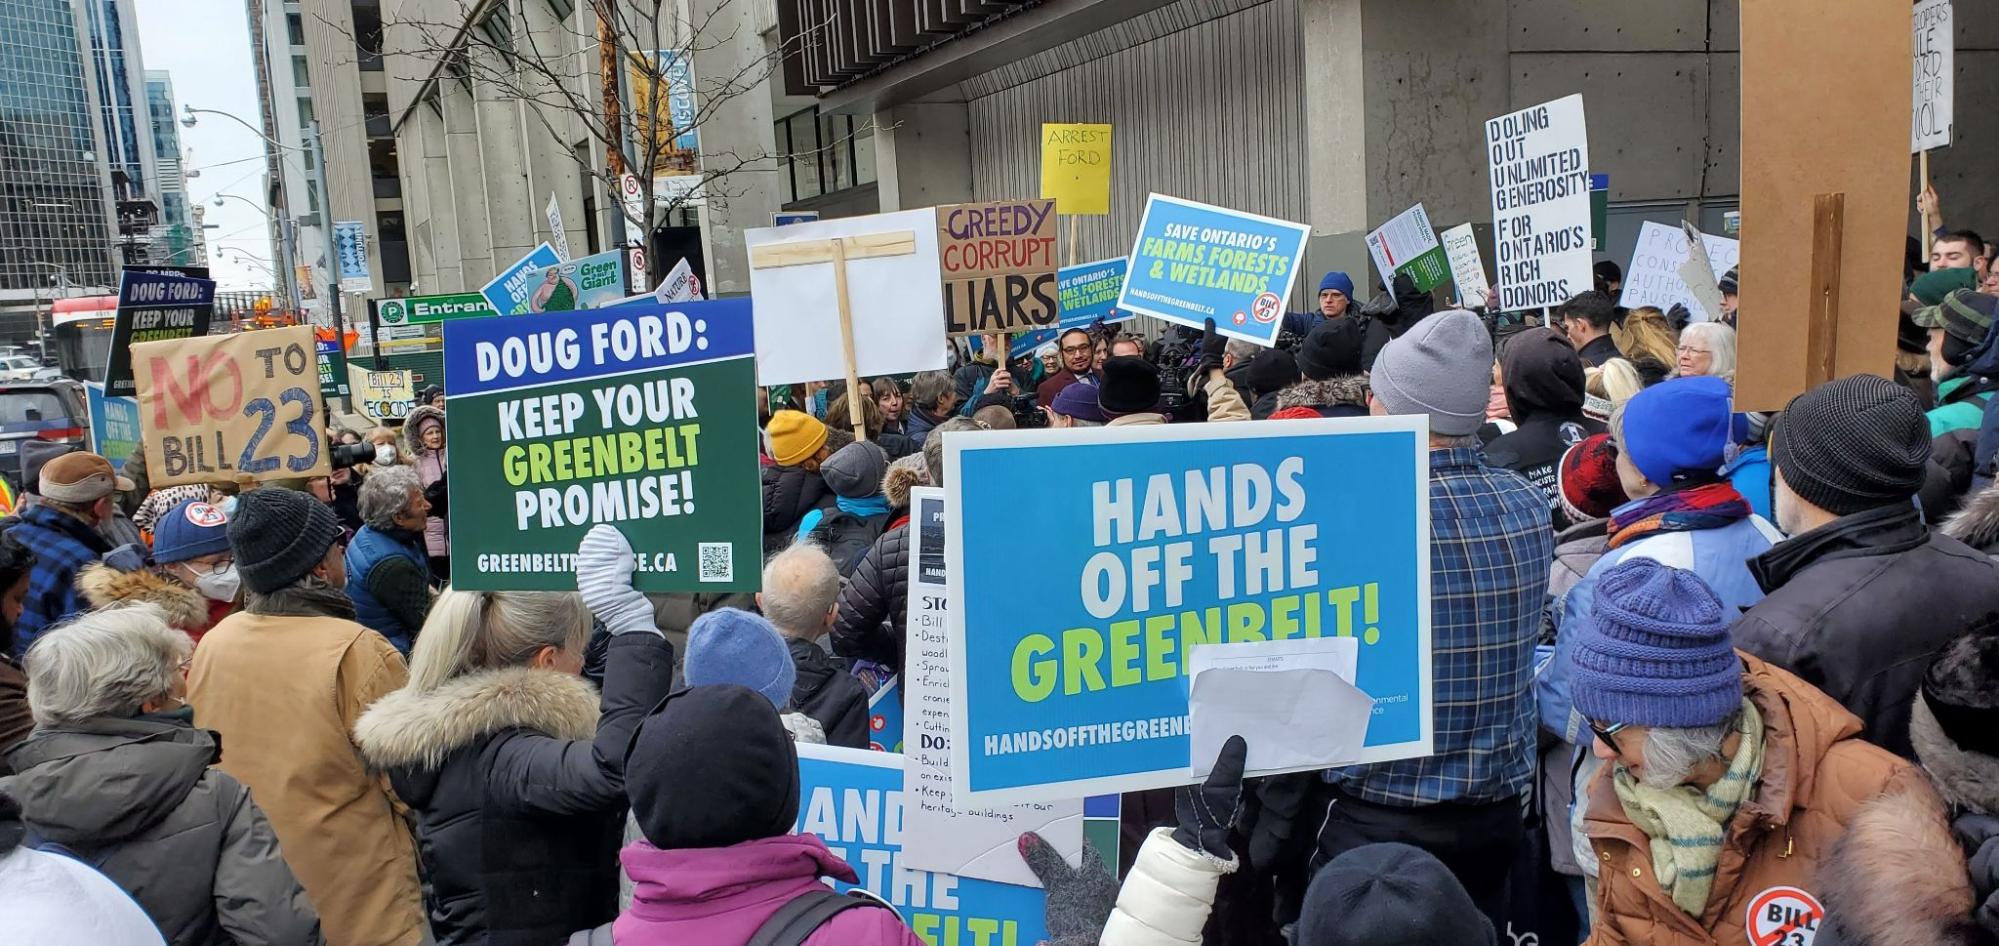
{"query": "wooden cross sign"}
pixel 838 250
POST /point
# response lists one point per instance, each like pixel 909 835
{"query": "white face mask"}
pixel 219 586
pixel 385 454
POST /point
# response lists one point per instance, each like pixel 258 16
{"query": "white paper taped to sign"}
pixel 1467 269
pixel 1539 165
pixel 1935 87
pixel 1654 279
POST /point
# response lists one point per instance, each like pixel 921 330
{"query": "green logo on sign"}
pixel 392 311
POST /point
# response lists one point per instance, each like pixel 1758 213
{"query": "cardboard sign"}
pixel 898 311
pixel 1076 168
pixel 382 396
pixel 1539 162
pixel 332 368
pixel 114 426
pixel 854 801
pixel 509 292
pixel 350 244
pixel 154 307
pixel 1467 269
pixel 639 416
pixel 1935 89
pixel 428 310
pixel 997 260
pixel 1653 278
pixel 1407 244
pixel 1089 291
pixel 218 408
pixel 1069 667
pixel 1192 262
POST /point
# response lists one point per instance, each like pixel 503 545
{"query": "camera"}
pixel 1027 413
pixel 344 455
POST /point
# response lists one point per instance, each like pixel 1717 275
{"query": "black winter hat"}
pixel 1273 369
pixel 1961 691
pixel 1856 443
pixel 1331 349
pixel 712 767
pixel 1130 386
pixel 1543 374
pixel 1390 893
pixel 278 535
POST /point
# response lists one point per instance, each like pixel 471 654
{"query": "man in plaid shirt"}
pixel 1490 549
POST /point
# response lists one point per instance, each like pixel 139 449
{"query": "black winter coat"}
pixel 789 493
pixel 519 811
pixel 1859 608
pixel 829 694
pixel 874 606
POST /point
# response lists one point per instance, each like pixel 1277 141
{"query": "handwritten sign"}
pixel 1541 203
pixel 245 404
pixel 382 396
pixel 1654 279
pixel 1935 89
pixel 998 265
pixel 1076 168
pixel 1467 269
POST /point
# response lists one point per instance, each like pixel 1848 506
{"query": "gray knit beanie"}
pixel 855 470
pixel 278 535
pixel 1858 443
pixel 1441 367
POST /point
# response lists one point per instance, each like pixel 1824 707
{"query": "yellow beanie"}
pixel 794 437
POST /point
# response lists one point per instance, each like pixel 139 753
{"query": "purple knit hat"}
pixel 1655 651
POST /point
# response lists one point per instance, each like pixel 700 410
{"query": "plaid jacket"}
pixel 1490 550
pixel 62 545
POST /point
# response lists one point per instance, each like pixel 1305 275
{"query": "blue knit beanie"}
pixel 1678 430
pixel 728 645
pixel 1655 651
pixel 1337 280
pixel 190 530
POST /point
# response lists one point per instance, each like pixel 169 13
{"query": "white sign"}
pixel 637 259
pixel 936 834
pixel 1539 163
pixel 898 312
pixel 634 199
pixel 679 284
pixel 1467 269
pixel 1400 241
pixel 557 236
pixel 1297 695
pixel 1654 279
pixel 1935 88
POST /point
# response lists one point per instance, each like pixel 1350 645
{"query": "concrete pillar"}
pixel 737 126
pixel 462 154
pixel 446 250
pixel 923 155
pixel 503 155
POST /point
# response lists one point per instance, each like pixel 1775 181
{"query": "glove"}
pixel 1207 810
pixel 604 567
pixel 1284 797
pixel 1079 900
pixel 1678 316
pixel 1212 347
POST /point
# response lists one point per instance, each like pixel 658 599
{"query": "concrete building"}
pixel 177 238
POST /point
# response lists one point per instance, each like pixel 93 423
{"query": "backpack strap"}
pixel 797 920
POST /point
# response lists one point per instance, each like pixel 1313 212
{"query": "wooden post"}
pixel 1075 245
pixel 1929 224
pixel 838 250
pixel 1822 316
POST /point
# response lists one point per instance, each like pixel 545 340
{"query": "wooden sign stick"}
pixel 1929 226
pixel 838 251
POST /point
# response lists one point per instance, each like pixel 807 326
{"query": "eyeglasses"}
pixel 1078 349
pixel 1690 350
pixel 1606 732
pixel 212 568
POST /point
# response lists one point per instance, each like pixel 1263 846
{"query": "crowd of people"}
pixel 1687 660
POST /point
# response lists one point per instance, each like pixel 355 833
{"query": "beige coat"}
pixel 284 693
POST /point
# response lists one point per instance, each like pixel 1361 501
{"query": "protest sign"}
pixel 1089 291
pixel 639 416
pixel 885 717
pixel 1407 244
pixel 853 800
pixel 896 310
pixel 427 310
pixel 233 405
pixel 587 283
pixel 679 284
pixel 974 842
pixel 332 368
pixel 114 425
pixel 154 307
pixel 557 236
pixel 382 396
pixel 350 244
pixel 1192 262
pixel 1935 87
pixel 1467 269
pixel 1653 278
pixel 1069 666
pixel 1539 160
pixel 998 265
pixel 509 292
pixel 1076 168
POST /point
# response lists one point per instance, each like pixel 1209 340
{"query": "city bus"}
pixel 80 332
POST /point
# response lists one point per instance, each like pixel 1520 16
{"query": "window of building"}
pixel 562 9
pixel 382 167
pixel 823 154
pixel 295 28
pixel 312 197
pixel 301 75
pixel 375 114
pixel 498 30
pixel 368 35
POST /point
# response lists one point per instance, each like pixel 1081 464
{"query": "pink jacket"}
pixel 719 896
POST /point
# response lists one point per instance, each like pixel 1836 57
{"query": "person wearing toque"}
pixel 75 492
pixel 1722 777
pixel 1329 361
pixel 283 682
pixel 1864 593
pixel 1964 359
pixel 192 577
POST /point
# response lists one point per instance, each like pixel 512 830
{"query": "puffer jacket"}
pixel 874 605
pixel 1817 774
pixel 137 799
pixel 1166 899
pixel 519 813
pixel 829 695
pixel 187 610
pixel 720 896
pixel 431 466
pixel 789 493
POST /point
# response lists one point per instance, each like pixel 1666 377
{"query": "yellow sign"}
pixel 1076 168
pixel 382 396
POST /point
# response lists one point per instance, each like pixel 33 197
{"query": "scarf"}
pixel 1681 510
pixel 1686 824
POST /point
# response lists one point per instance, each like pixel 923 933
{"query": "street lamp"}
pixel 316 153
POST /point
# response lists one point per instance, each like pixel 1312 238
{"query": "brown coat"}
pixel 1817 774
pixel 284 694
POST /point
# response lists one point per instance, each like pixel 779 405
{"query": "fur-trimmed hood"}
pixel 1897 877
pixel 903 475
pixel 104 586
pixel 412 729
pixel 1346 389
pixel 413 428
pixel 1967 780
pixel 1977 525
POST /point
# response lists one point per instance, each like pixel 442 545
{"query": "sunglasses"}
pixel 1606 732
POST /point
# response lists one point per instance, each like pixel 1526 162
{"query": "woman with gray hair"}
pixel 1707 348
pixel 388 570
pixel 117 775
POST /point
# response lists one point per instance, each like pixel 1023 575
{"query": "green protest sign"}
pixel 641 416
pixel 420 310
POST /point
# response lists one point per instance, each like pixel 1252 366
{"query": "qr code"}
pixel 718 560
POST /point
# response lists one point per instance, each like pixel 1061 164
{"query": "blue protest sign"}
pixel 510 291
pixel 852 799
pixel 1192 262
pixel 1069 666
pixel 114 426
pixel 1089 291
pixel 885 717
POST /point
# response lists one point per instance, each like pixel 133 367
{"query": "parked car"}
pixel 54 411
pixel 23 368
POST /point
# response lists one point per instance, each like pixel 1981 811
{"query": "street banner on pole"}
pixel 154 307
pixel 1076 168
pixel 232 405
pixel 1935 89
pixel 1467 269
pixel 998 261
pixel 1069 667
pixel 1407 244
pixel 1539 163
pixel 1192 262
pixel 350 251
pixel 639 416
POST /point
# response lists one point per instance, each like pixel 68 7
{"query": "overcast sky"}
pixel 205 44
